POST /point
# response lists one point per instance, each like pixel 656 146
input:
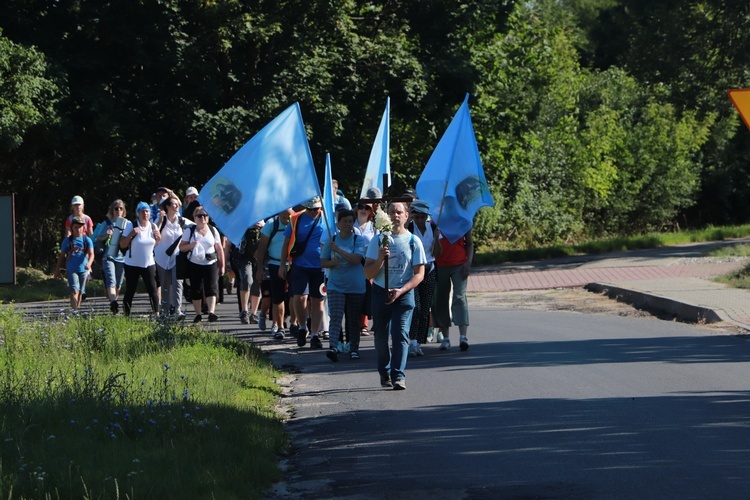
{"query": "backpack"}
pixel 71 248
pixel 100 247
pixel 248 245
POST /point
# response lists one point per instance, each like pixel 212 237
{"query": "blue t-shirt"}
pixel 79 255
pixel 347 277
pixel 275 244
pixel 311 257
pixel 401 261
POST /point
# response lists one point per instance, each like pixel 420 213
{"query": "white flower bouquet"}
pixel 384 225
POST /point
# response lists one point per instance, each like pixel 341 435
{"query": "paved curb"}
pixel 657 303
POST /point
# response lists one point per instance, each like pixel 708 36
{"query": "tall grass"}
pixel 107 407
pixel 495 254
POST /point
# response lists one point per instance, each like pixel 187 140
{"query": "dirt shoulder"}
pixel 580 301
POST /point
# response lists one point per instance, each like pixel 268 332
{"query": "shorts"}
pixel 277 285
pixel 77 281
pixel 302 277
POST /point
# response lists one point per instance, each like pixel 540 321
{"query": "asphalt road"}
pixel 543 405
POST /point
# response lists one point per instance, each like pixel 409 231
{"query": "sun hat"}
pixel 76 220
pixel 410 193
pixel 313 203
pixel 77 200
pixel 190 191
pixel 142 205
pixel 420 206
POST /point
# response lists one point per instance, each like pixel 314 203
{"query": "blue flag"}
pixel 453 181
pixel 272 172
pixel 328 201
pixel 380 158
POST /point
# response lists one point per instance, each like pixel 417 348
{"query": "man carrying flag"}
pixel 454 185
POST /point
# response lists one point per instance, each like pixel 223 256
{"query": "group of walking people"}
pixel 396 269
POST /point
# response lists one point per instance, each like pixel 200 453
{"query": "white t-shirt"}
pixel 141 251
pixel 205 247
pixel 428 239
pixel 406 252
pixel 171 232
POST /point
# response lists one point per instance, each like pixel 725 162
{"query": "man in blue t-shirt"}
pixel 78 252
pixel 393 302
pixel 302 247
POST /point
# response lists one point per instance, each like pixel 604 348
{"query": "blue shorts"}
pixel 77 281
pixel 304 277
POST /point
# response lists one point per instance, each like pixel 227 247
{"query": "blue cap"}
pixel 142 206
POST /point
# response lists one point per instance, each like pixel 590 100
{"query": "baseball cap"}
pixel 76 220
pixel 191 190
pixel 77 200
pixel 374 192
pixel 313 203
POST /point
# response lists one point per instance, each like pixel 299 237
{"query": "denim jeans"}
pixel 113 273
pixel 393 319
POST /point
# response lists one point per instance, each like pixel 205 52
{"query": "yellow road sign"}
pixel 741 100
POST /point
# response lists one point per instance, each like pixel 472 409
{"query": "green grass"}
pixel 492 254
pixel 112 408
pixel 33 285
pixel 737 279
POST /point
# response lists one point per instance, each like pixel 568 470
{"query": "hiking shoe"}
pixel 354 355
pixel 244 318
pixel 197 318
pixel 385 381
pixel 315 342
pixel 262 322
pixel 445 344
pixel 464 343
pixel 413 346
pixel 399 385
pixel 301 337
pixel 114 307
pixel 212 317
pixel 331 353
pixel 253 319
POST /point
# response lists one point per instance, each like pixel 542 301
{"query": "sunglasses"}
pixel 201 215
pixel 119 208
pixel 364 207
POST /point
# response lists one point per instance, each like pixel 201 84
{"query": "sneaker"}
pixel 212 317
pixel 326 335
pixel 315 342
pixel 430 334
pixel 197 318
pixel 181 317
pixel 114 307
pixel 445 344
pixel 253 319
pixel 439 337
pixel 354 355
pixel 385 381
pixel 399 385
pixel 364 332
pixel 278 335
pixel 413 346
pixel 244 318
pixel 301 337
pixel 331 353
pixel 464 343
pixel 343 347
pixel 262 322
pixel 419 350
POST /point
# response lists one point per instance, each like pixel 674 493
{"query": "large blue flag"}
pixel 453 181
pixel 272 172
pixel 328 201
pixel 380 157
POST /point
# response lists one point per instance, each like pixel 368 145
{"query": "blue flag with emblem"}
pixel 273 171
pixel 380 158
pixel 329 206
pixel 453 181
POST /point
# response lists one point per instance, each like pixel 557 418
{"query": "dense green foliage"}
pixel 594 117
